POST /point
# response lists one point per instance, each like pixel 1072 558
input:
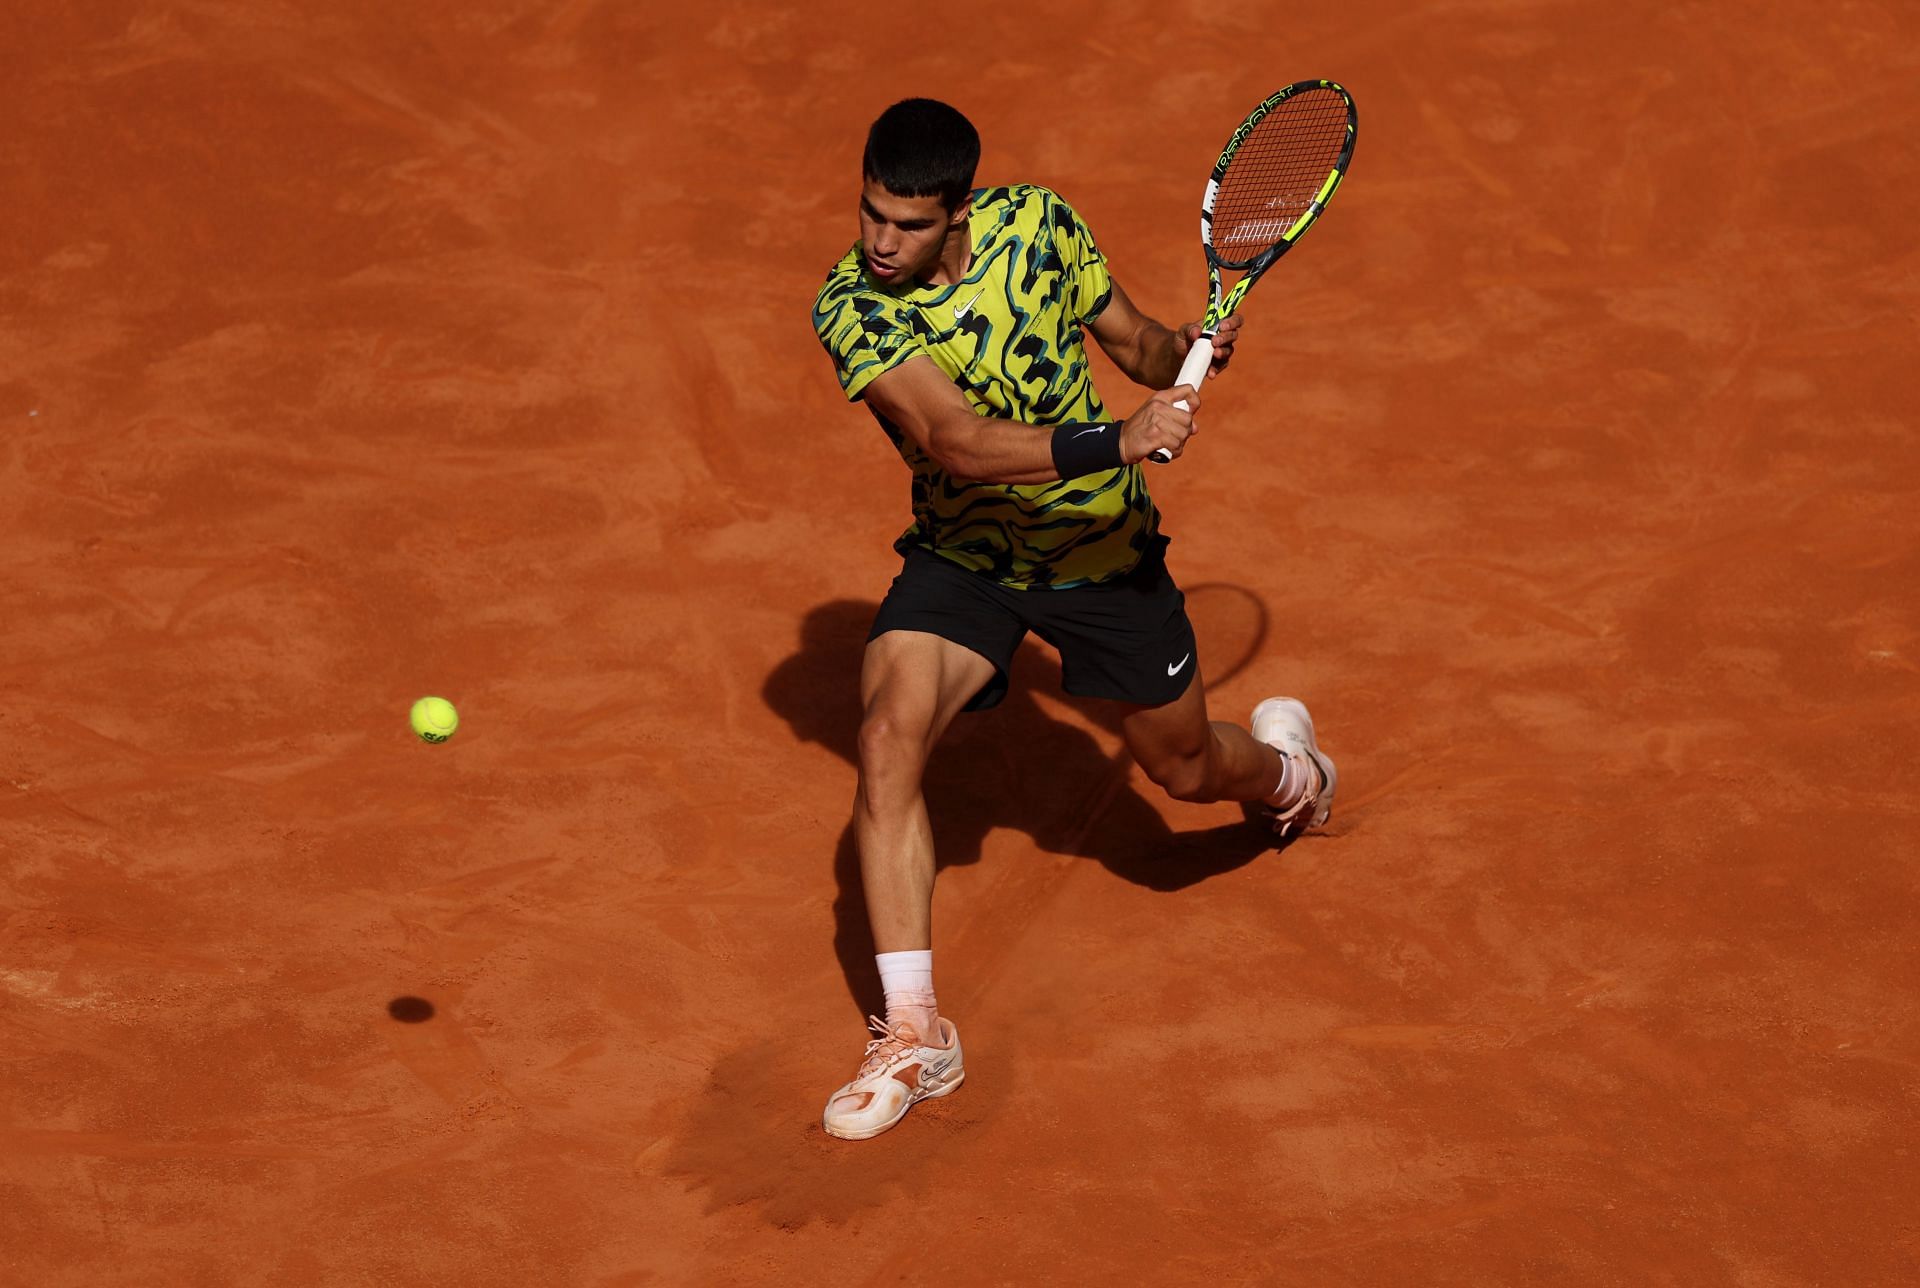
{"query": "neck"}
pixel 955 259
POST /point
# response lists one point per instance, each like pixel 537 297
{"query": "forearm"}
pixel 1152 355
pixel 987 449
pixel 918 402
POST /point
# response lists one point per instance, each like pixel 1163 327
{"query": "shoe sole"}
pixel 1323 807
pixel 943 1089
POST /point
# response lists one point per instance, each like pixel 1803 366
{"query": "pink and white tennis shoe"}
pixel 898 1072
pixel 1283 723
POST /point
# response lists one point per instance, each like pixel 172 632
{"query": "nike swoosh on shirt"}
pixel 1173 668
pixel 960 311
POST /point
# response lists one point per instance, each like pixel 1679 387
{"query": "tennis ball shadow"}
pixel 1014 766
pixel 411 1010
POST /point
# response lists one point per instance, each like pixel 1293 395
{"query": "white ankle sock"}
pixel 907 979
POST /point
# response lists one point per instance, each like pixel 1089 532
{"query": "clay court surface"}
pixel 1568 470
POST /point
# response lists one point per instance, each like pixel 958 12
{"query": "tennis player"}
pixel 958 319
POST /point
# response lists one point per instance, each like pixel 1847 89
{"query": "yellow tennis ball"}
pixel 434 719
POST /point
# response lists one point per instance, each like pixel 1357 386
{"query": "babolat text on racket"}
pixel 1272 181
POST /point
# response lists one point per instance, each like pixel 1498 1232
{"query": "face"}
pixel 903 236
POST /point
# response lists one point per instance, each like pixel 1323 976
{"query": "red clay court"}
pixel 353 352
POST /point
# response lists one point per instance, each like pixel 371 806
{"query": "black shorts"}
pixel 1128 640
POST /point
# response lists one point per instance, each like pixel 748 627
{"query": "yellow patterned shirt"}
pixel 1009 334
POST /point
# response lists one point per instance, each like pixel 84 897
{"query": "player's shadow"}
pixel 1014 766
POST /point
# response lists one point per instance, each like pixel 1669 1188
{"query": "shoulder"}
pixel 1019 203
pixel 846 295
pixel 845 283
pixel 1040 213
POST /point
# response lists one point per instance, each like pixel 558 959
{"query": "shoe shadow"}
pixel 1017 767
pixel 754 1141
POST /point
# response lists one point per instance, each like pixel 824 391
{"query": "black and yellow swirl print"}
pixel 1010 335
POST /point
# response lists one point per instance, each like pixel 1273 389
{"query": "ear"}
pixel 960 213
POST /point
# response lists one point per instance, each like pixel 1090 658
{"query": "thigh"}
pixel 936 598
pixel 918 682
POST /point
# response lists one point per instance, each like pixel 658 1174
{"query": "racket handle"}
pixel 1192 372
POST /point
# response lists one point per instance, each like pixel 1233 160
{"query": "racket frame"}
pixel 1200 353
pixel 1218 307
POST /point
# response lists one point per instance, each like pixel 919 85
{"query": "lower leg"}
pixel 896 867
pixel 912 686
pixel 1239 768
pixel 897 872
pixel 1203 761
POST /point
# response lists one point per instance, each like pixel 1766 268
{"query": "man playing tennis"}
pixel 958 317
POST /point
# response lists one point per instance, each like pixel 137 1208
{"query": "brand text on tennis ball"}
pixel 434 719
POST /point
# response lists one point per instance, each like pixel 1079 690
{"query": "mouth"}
pixel 881 270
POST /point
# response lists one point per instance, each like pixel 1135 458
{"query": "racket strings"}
pixel 1276 173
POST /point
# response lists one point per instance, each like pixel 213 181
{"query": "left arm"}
pixel 1151 352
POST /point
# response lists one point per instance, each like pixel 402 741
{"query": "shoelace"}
pixel 873 1059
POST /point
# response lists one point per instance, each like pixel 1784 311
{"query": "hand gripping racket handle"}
pixel 1192 372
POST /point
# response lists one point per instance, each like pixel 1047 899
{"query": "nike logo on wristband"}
pixel 1173 668
pixel 1074 459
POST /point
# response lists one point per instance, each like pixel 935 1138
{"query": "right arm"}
pixel 928 408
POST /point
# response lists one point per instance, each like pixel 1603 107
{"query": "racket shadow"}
pixel 1013 767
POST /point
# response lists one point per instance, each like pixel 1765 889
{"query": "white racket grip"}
pixel 1192 372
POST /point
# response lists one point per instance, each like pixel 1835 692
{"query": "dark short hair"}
pixel 920 147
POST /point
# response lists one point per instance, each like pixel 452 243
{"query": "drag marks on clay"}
pixel 1681 747
pixel 101 1144
pixel 97 490
pixel 1427 1223
pixel 147 40
pixel 318 759
pixel 273 568
pixel 1908 1058
pixel 1460 781
pixel 97 1041
pixel 1375 1180
pixel 1521 592
pixel 1448 132
pixel 452 125
pixel 159 770
pixel 495 881
pixel 33 802
pixel 86 943
pixel 42 985
pixel 1426 1037
pixel 74 983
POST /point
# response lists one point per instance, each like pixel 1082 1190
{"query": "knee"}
pixel 1185 778
pixel 892 747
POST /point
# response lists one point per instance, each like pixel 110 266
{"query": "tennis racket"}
pixel 1272 181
